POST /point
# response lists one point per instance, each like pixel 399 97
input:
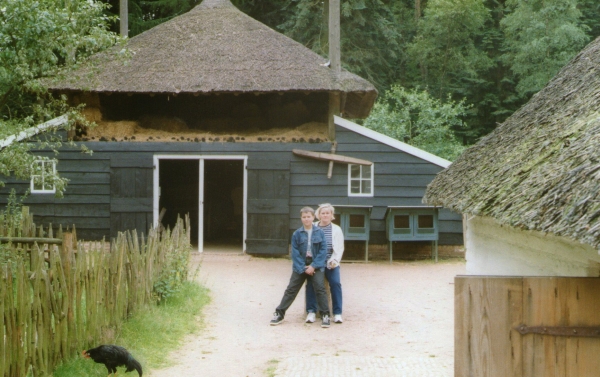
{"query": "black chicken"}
pixel 113 357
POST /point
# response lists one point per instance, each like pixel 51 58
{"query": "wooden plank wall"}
pixel 489 308
pixel 87 201
pixel 400 180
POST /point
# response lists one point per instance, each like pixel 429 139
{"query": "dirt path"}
pixel 395 316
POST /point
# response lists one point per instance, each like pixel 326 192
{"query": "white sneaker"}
pixel 337 318
pixel 310 318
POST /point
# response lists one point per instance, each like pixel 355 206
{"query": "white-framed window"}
pixel 360 180
pixel 40 183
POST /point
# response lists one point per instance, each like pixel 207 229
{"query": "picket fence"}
pixel 63 296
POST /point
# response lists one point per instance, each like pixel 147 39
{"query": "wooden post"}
pixel 335 61
pixel 334 37
pixel 334 109
pixel 123 16
pixel 330 171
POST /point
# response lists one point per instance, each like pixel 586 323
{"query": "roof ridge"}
pixel 209 4
pixel 390 141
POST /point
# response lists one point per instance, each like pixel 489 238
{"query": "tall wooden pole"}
pixel 123 14
pixel 334 37
pixel 335 61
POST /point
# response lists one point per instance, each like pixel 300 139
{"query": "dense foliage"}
pixel 493 54
pixel 418 119
pixel 37 39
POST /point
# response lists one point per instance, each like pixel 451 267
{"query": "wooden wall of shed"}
pixel 400 180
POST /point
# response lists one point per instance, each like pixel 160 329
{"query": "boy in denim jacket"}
pixel 309 254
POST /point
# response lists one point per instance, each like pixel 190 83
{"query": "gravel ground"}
pixel 398 321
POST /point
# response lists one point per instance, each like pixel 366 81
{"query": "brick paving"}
pixel 366 366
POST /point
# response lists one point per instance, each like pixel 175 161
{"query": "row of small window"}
pixel 402 223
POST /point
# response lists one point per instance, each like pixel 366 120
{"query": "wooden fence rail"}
pixel 60 299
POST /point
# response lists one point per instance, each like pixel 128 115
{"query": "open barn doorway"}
pixel 179 182
pixel 223 223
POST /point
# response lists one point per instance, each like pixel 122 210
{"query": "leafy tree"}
pixel 590 16
pixel 146 14
pixel 417 118
pixel 37 39
pixel 445 46
pixel 371 35
pixel 541 36
pixel 450 58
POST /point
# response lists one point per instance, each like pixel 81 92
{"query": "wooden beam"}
pixel 32 131
pixel 330 171
pixel 334 110
pixel 123 16
pixel 30 240
pixel 331 157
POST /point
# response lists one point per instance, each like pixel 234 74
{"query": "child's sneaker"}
pixel 277 319
pixel 325 322
pixel 311 317
pixel 337 318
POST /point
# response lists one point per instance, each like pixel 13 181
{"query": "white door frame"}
pixel 201 158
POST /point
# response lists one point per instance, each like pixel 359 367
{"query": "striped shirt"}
pixel 329 238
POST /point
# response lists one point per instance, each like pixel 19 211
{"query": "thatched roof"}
pixel 215 48
pixel 540 169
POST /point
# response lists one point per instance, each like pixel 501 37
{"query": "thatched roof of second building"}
pixel 216 48
pixel 540 169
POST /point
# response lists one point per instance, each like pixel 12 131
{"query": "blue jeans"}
pixel 335 286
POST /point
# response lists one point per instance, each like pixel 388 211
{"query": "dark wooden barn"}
pixel 216 115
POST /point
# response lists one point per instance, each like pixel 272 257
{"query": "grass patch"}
pixel 270 372
pixel 151 334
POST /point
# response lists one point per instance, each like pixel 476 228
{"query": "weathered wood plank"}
pixel 281 184
pixel 331 157
pixel 583 307
pixel 268 164
pixel 83 199
pixel 266 183
pixel 137 161
pixel 264 206
pixel 450 226
pixel 131 205
pixel 31 240
pixel 486 310
pixel 84 178
pixel 77 189
pixel 75 166
pixel 560 301
pixel 80 222
pixel 358 201
pixel 81 210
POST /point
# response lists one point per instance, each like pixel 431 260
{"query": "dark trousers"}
pixel 294 286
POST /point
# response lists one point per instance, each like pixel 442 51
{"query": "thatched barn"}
pixel 216 115
pixel 530 191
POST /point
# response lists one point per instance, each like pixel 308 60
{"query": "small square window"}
pixel 425 221
pixel 402 222
pixel 43 170
pixel 360 180
pixel 357 221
